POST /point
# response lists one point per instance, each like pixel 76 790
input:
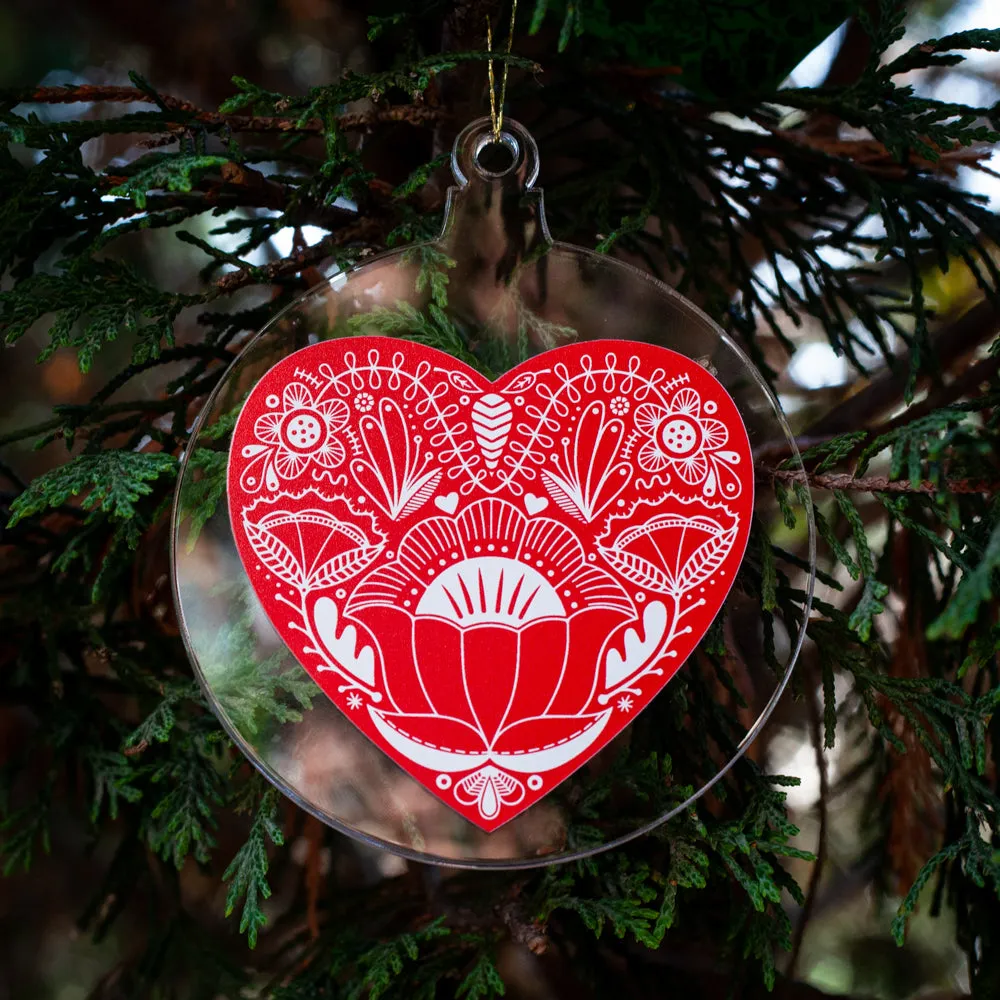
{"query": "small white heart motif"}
pixel 448 503
pixel 533 504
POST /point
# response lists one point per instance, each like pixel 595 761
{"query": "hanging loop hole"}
pixel 477 154
pixel 495 158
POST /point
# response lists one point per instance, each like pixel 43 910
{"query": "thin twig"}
pixel 874 158
pixel 963 384
pixel 415 114
pixel 949 343
pixel 366 231
pixel 170 404
pixel 879 484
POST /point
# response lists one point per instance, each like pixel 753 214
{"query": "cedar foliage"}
pixel 122 734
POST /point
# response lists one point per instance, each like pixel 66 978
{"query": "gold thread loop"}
pixel 496 116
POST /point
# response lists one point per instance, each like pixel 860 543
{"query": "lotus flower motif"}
pixel 482 616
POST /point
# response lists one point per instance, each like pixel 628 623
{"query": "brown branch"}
pixel 414 114
pixel 965 383
pixel 949 343
pixel 94 93
pixel 313 833
pixel 867 154
pixel 874 158
pixel 523 928
pixel 364 230
pixel 879 484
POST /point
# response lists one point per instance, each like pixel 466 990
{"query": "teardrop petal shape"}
pixel 491 420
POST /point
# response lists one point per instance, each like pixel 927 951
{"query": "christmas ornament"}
pixel 491 578
pixel 485 497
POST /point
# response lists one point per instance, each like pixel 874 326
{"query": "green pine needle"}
pixel 248 870
pixel 482 982
pixel 977 587
pixel 111 481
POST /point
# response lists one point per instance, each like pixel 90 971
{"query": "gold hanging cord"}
pixel 496 117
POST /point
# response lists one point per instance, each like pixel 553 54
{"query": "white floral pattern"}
pixel 303 431
pixel 682 438
pixel 490 579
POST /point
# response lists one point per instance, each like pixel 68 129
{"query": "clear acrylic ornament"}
pixel 495 289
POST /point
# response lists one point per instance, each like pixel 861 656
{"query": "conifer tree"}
pixel 837 205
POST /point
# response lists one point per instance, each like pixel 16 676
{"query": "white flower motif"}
pixel 680 437
pixel 303 431
pixel 619 406
pixel 363 402
pixel 353 701
pixel 625 703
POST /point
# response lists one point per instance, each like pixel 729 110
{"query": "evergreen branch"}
pixel 113 780
pixel 361 232
pixel 183 820
pixel 159 724
pixel 881 484
pixel 976 588
pixel 482 981
pixel 248 869
pixel 111 481
pixel 104 298
pixel 24 830
pixel 747 220
pixel 169 171
pixel 190 114
pixel 379 966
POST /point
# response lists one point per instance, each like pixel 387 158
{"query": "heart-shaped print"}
pixel 490 579
pixel 533 504
pixel 449 503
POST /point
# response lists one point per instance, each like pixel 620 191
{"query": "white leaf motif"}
pixel 274 554
pixel 290 544
pixel 462 382
pixel 587 476
pixel 670 561
pixel 705 560
pixel 522 383
pixel 342 567
pixel 559 490
pixel 421 489
pixel 393 471
pixel 491 421
pixel 638 651
pixel 638 570
pixel 343 647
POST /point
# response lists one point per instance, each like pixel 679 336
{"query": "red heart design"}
pixel 490 579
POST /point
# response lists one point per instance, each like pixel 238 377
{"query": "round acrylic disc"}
pixel 490 578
